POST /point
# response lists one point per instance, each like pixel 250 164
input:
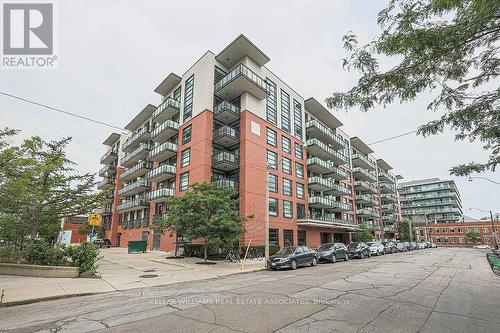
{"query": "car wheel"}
pixel 369 254
pixel 362 255
pixel 294 264
pixel 378 253
pixel 346 258
pixel 314 261
pixel 334 258
pixel 383 252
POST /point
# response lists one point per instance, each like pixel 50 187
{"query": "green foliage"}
pixel 45 254
pixel 8 255
pixel 473 237
pixel 38 187
pixel 84 256
pixel 362 235
pixel 448 47
pixel 207 212
pixel 404 231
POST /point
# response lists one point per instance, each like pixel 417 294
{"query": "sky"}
pixel 112 54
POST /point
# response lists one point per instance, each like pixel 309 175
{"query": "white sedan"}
pixel 482 247
pixel 376 248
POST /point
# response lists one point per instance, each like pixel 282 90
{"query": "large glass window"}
pixel 273 183
pixel 301 211
pixel 188 99
pixel 271 137
pixel 186 134
pixel 298 151
pixel 301 237
pixel 287 209
pixel 271 104
pixel 288 237
pixel 272 159
pixel 287 187
pixel 177 94
pixel 297 119
pixel 185 157
pixel 286 144
pixel 285 111
pixel 273 206
pixel 287 166
pixel 299 170
pixel 300 190
pixel 274 236
pixel 184 181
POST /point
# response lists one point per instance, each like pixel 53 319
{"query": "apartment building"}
pixel 454 234
pixel 430 200
pixel 228 119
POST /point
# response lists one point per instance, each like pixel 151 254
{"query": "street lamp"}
pixel 492 224
pixel 491 181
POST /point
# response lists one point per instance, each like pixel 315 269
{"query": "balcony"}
pixel 365 187
pixel 138 170
pixel 362 161
pixel 143 135
pixel 106 184
pixel 124 224
pixel 317 148
pixel 327 169
pixel 240 80
pixel 226 161
pixel 165 131
pixel 389 228
pixel 105 211
pixel 163 152
pixel 386 188
pixel 166 110
pixel 160 194
pixel 140 153
pixel 327 185
pixel 367 212
pixel 426 203
pixel 423 211
pixel 109 196
pixel 389 208
pixel 109 157
pixel 385 176
pixel 139 222
pixel 363 175
pixel 391 218
pixel 134 188
pixel 372 226
pixel 107 170
pixel 326 220
pixel 130 205
pixel 226 136
pixel 385 197
pixel 226 183
pixel 442 194
pixel 329 203
pixel 227 112
pixel 162 173
pixel 366 200
pixel 317 130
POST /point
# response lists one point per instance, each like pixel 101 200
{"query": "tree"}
pixel 363 234
pixel 38 187
pixel 473 237
pixel 404 231
pixel 449 47
pixel 207 212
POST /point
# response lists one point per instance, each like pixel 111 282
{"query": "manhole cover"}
pixel 148 276
pixel 149 270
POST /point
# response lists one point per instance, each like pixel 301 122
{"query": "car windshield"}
pixel 370 243
pixel 354 245
pixel 287 250
pixel 324 247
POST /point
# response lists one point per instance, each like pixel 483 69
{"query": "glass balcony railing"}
pixel 225 157
pixel 106 184
pixel 169 126
pixel 142 135
pixel 425 203
pixel 139 152
pixel 131 204
pixel 107 170
pixel 224 183
pixel 160 194
pixel 242 70
pixel 364 159
pixel 367 211
pixel 138 169
pixel 227 131
pixel 110 156
pixel 226 106
pixel 365 187
pixel 362 173
pixel 327 168
pixel 162 170
pixel 326 218
pixel 427 188
pixel 389 208
pixel 163 149
pixel 367 199
pixel 383 175
pixel 167 104
pixel 135 187
pixel 422 211
pixel 327 134
pixel 328 202
pixel 423 196
pixel 388 197
pixel 328 152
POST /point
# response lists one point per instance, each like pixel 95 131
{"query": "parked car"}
pixel 421 245
pixel 482 247
pixel 376 248
pixel 292 257
pixel 389 247
pixel 332 252
pixel 358 250
pixel 433 245
pixel 102 242
pixel 402 247
pixel 413 246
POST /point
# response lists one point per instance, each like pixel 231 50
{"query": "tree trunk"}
pixel 206 251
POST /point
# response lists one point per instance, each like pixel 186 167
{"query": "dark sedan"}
pixel 332 252
pixel 292 257
pixel 390 247
pixel 358 250
pixel 102 242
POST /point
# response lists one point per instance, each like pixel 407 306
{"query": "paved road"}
pixel 433 290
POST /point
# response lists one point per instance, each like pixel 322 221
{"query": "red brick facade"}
pixel 455 234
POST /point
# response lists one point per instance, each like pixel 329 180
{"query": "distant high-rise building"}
pixel 430 200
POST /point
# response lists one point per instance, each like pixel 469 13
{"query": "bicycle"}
pixel 254 253
pixel 232 256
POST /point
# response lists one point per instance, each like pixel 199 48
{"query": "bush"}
pixel 84 256
pixel 45 254
pixel 8 255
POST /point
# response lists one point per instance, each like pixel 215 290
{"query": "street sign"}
pixel 95 220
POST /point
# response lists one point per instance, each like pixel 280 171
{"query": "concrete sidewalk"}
pixel 119 271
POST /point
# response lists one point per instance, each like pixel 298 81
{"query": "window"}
pixel 273 183
pixel 298 151
pixel 272 159
pixel 285 111
pixel 446 239
pixel 273 207
pixel 452 239
pixel 287 209
pixel 301 237
pixel 297 119
pixel 218 74
pixel 185 157
pixel 287 166
pixel 177 94
pixel 287 187
pixel 486 239
pixel 186 134
pixel 459 230
pixel 299 170
pixel 467 229
pixel 300 190
pixel 286 144
pixel 461 240
pixel 452 230
pixel 271 104
pixel 288 237
pixel 188 99
pixel 476 229
pixel 184 181
pixel 301 211
pixel 274 236
pixel 485 229
pixel 271 137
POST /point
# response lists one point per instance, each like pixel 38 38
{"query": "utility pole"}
pixel 493 230
pixel 266 219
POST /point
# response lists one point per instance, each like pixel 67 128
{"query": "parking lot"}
pixel 431 290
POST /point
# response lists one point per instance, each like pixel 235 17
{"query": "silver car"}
pixel 376 248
